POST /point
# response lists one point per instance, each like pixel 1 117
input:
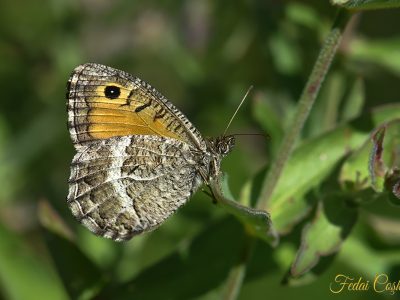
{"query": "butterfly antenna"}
pixel 265 135
pixel 237 109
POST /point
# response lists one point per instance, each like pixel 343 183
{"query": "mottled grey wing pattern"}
pixel 122 186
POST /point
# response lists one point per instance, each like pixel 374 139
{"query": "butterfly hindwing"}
pixel 122 186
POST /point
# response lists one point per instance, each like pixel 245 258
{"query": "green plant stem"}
pixel 306 101
pixel 310 93
pixel 238 272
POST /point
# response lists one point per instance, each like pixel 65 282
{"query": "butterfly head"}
pixel 223 145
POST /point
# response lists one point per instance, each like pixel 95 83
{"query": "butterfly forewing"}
pixel 104 102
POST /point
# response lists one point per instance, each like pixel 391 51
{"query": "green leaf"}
pixel 383 52
pixel 354 174
pixel 366 4
pixel 359 249
pixel 304 15
pixel 81 277
pixel 257 222
pixel 308 166
pixel 354 102
pixel 385 228
pixel 277 108
pixel 285 54
pixel 23 273
pixel 313 161
pixel 324 115
pixel 325 234
pixel 197 269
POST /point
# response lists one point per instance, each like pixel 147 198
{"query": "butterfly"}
pixel 138 158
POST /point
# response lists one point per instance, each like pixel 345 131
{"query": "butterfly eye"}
pixel 112 91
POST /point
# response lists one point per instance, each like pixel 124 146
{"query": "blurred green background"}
pixel 202 55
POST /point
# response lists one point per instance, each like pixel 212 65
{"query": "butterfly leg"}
pixel 203 174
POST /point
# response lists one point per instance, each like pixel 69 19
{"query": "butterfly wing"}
pixel 104 102
pixel 122 186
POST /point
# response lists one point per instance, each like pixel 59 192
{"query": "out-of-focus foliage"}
pixel 366 4
pixel 203 55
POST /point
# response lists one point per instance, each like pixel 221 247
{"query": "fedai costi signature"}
pixel 380 284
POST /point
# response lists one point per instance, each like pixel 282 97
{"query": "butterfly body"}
pixel 138 157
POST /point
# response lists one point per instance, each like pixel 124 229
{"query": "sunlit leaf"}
pixel 312 161
pixel 325 234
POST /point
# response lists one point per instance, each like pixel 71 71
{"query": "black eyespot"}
pixel 112 91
